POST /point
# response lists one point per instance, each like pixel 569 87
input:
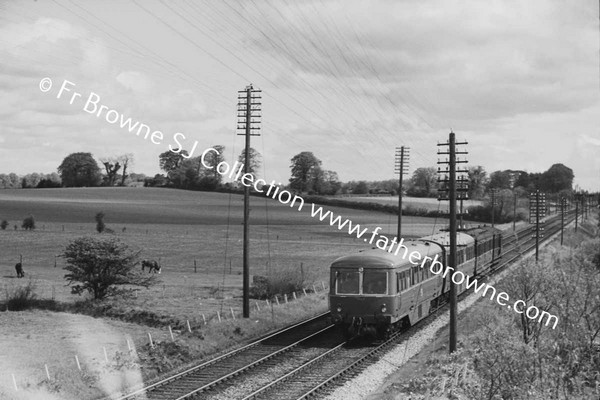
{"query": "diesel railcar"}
pixel 376 291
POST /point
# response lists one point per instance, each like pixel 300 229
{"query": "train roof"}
pixel 377 258
pixel 482 232
pixel 443 238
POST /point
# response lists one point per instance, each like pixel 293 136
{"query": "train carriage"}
pixel 375 291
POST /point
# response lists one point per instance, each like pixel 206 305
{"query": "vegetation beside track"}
pixel 502 355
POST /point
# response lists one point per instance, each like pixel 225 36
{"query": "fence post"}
pixel 204 319
pixel 188 325
pixel 150 337
pixel 285 297
pixel 219 316
pixel 47 372
pixel 294 293
pixel 314 289
pixel 105 353
pixel 171 333
pixel 77 360
pixel 15 382
pixel 232 313
pixel 304 290
pixel 276 300
pixel 257 307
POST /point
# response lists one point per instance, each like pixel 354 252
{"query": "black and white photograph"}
pixel 311 199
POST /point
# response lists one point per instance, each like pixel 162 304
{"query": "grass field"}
pixel 430 204
pixel 181 228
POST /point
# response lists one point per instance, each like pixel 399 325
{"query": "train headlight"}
pixel 383 308
pixel 339 308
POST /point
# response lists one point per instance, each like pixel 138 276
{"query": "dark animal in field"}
pixel 152 265
pixel 19 269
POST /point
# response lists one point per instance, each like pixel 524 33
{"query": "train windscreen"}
pixel 347 282
pixel 374 282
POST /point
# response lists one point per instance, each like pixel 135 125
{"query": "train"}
pixel 375 291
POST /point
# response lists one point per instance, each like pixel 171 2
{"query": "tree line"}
pixel 307 175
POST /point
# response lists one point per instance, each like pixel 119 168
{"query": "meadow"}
pixel 198 238
pixel 430 204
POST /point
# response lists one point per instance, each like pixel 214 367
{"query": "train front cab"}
pixel 360 300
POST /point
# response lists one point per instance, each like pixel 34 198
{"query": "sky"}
pixel 349 80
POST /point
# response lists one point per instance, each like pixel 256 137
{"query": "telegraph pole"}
pixel 493 194
pixel 563 204
pixel 248 120
pixel 452 161
pixel 537 209
pixel 402 158
pixel 576 212
pixel 514 210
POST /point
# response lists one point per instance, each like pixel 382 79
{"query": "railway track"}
pixel 322 374
pixel 210 374
pixel 302 360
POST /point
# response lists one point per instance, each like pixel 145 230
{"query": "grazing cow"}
pixel 19 269
pixel 152 266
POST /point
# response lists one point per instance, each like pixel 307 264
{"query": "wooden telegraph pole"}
pixel 248 120
pixel 537 209
pixel 402 158
pixel 452 196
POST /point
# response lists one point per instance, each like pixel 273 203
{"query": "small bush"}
pixel 22 297
pixel 28 223
pixel 100 226
pixel 283 281
pixel 3 224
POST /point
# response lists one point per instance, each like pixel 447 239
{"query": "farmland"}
pixel 183 229
pixel 430 204
pixel 196 235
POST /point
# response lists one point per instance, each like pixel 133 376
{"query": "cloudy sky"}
pixel 349 80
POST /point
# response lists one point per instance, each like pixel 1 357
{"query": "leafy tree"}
pixel 49 181
pixel 79 169
pixel 102 267
pixel 170 160
pixel 423 182
pixel 361 188
pixel 558 177
pixel 330 183
pixel 500 180
pixel 158 181
pixel 303 169
pixel 254 160
pixel 31 180
pixel 213 159
pixel 28 223
pixel 3 224
pixel 100 222
pixel 477 182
